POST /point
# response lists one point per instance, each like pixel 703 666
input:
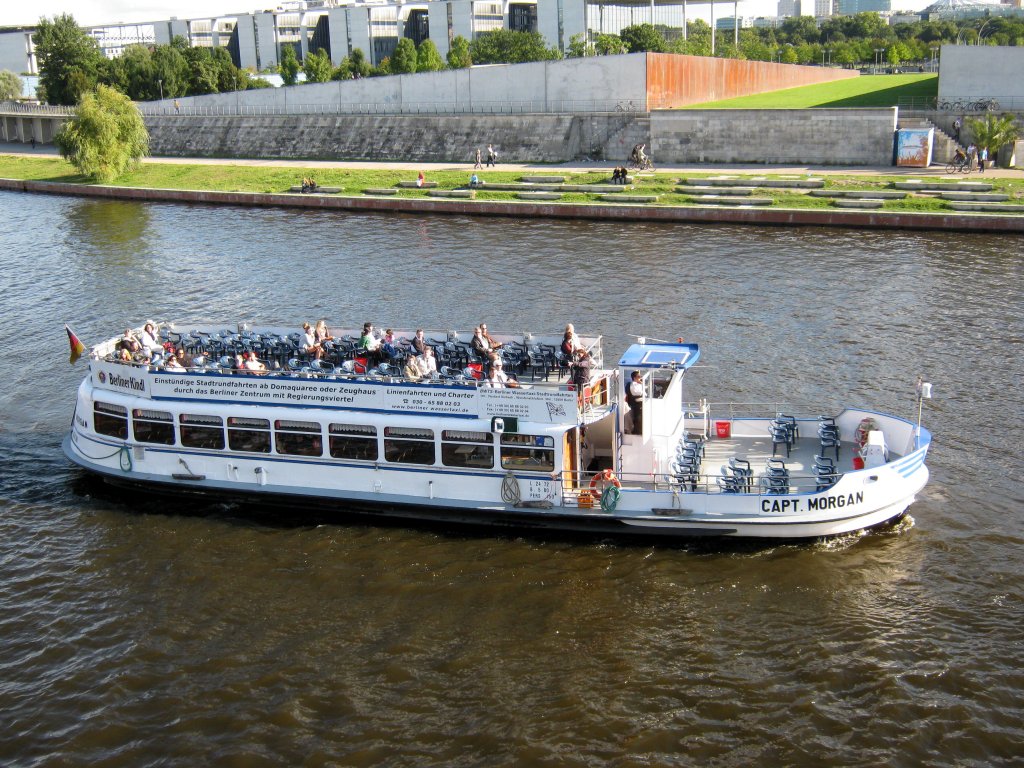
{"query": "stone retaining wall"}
pixel 818 137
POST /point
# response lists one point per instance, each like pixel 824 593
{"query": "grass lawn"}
pixel 863 91
pixel 245 178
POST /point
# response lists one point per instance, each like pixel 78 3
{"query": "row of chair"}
pixel 784 430
pixel 828 435
pixel 685 467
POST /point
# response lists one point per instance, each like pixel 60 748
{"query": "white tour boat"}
pixel 347 435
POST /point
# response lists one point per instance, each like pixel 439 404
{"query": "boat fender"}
pixel 610 498
pixel 510 492
pixel 607 479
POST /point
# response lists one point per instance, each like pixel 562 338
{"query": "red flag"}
pixel 77 347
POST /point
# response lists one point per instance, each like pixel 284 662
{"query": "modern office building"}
pixel 338 27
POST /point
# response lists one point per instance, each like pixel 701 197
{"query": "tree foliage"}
pixel 427 57
pixel 11 86
pixel 403 60
pixel 106 137
pixel 69 60
pixel 993 131
pixel 643 37
pixel 289 65
pixel 317 67
pixel 459 56
pixel 506 46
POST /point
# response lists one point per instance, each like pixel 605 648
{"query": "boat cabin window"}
pixel 408 445
pixel 467 449
pixel 533 453
pixel 660 379
pixel 353 441
pixel 298 438
pixel 201 431
pixel 110 419
pixel 250 435
pixel 153 426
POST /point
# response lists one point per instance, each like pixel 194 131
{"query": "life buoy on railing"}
pixel 606 478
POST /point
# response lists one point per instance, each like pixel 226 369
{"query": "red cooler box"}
pixel 723 428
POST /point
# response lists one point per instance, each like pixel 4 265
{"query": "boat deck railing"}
pixel 759 410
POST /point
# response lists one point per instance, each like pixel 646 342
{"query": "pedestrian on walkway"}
pixel 982 159
pixel 492 156
pixel 956 129
pixel 477 165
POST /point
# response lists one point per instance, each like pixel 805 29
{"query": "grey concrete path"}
pixel 13 148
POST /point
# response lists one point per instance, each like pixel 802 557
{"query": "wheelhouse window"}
pixel 408 445
pixel 153 426
pixel 352 441
pixel 201 431
pixel 460 448
pixel 298 438
pixel 532 453
pixel 110 420
pixel 249 435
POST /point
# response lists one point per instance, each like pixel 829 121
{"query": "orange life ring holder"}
pixel 606 477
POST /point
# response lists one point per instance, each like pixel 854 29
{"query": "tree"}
pixel 403 60
pixel 317 67
pixel 171 69
pixel 358 64
pixel 506 46
pixel 106 137
pixel 642 37
pixel 202 71
pixel 289 65
pixel 69 60
pixel 10 85
pixel 992 132
pixel 427 57
pixel 458 54
pixel 609 45
pixel 579 47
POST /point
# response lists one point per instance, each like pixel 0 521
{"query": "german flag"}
pixel 77 347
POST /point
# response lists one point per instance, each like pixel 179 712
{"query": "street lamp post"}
pixel 161 84
pixel 935 50
pixel 878 57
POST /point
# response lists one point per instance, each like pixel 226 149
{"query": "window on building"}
pixel 249 435
pixel 201 431
pixel 298 438
pixel 153 426
pixel 352 441
pixel 110 420
pixel 408 445
pixel 467 449
pixel 532 453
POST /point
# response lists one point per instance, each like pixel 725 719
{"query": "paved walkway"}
pixel 11 148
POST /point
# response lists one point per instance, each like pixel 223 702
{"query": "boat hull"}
pixel 629 521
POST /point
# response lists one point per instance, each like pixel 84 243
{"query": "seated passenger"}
pixel 370 344
pixel 149 340
pixel 491 341
pixel 480 345
pixel 497 378
pixel 388 347
pixel 173 364
pixel 308 343
pixel 129 342
pixel 321 334
pixel 427 363
pixel 570 341
pixel 253 364
pixel 474 181
pixel 419 343
pixel 412 369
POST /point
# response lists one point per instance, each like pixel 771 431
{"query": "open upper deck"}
pixel 346 378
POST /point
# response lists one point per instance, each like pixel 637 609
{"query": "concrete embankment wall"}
pixel 813 136
pixel 818 137
pixel 603 212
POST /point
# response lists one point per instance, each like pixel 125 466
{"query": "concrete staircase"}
pixel 943 147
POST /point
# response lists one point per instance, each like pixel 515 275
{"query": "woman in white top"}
pixel 149 340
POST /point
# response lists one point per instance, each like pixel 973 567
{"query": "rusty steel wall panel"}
pixel 674 80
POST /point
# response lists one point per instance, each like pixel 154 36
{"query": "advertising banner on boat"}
pixel 120 378
pixel 541 405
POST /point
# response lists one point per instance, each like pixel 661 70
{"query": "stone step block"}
pixel 990 207
pixel 629 198
pixel 861 194
pixel 608 189
pixel 977 197
pixel 730 200
pixel 695 191
pixel 451 192
pixel 415 185
pixel 917 185
pixel 380 191
pixel 538 196
pixel 542 179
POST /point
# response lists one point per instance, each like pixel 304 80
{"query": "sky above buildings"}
pixel 97 12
